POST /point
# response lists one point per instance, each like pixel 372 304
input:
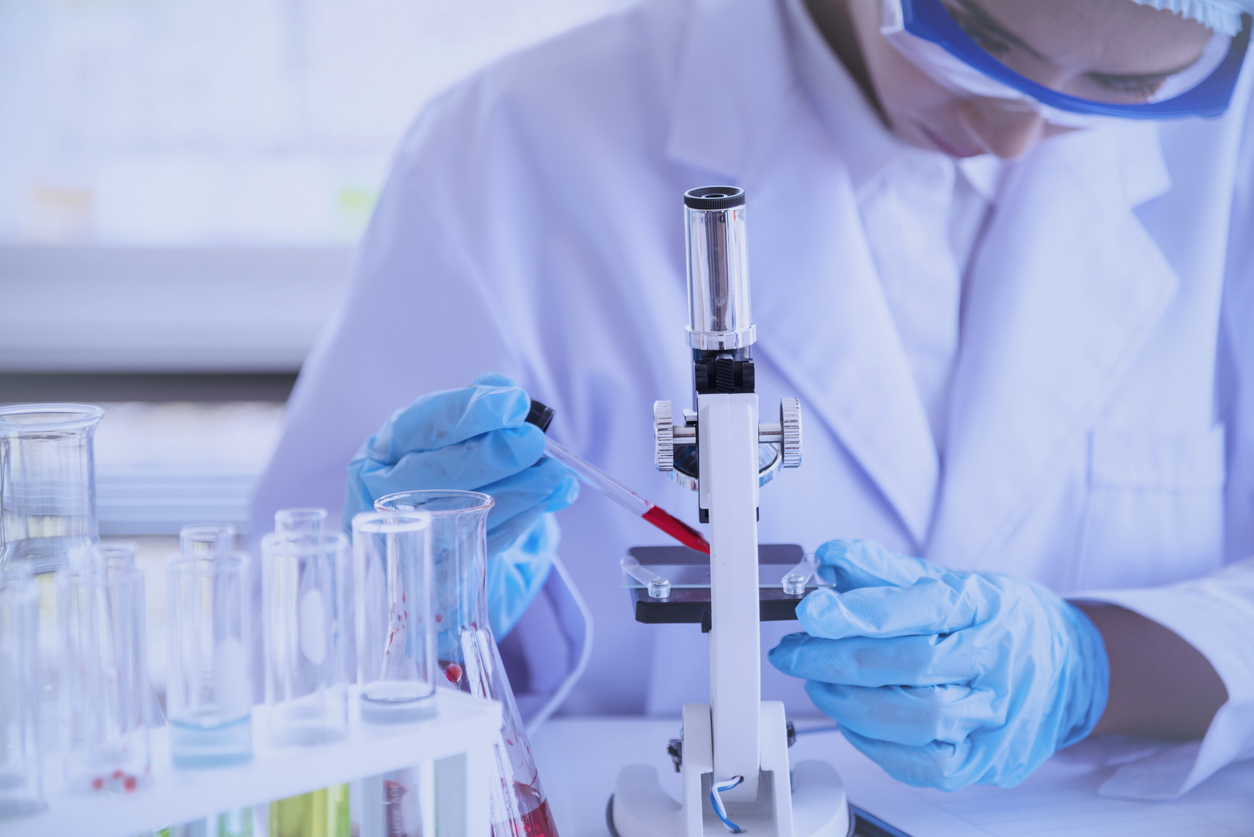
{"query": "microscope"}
pixel 733 754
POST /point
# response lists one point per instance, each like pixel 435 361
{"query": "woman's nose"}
pixel 1006 130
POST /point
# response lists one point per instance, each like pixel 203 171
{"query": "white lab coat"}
pixel 1100 429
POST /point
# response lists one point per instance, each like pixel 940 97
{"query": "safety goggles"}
pixel 932 38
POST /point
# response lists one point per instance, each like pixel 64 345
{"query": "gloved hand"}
pixel 475 438
pixel 945 678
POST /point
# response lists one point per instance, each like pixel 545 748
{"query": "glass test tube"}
pixel 106 654
pixel 300 521
pixel 320 813
pixel 119 553
pixel 395 630
pixel 204 540
pixel 324 812
pixel 21 781
pixel 306 693
pixel 209 632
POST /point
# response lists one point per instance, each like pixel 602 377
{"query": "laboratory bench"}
pixel 579 760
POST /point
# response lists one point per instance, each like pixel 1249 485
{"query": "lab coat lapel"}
pixel 816 296
pixel 1066 288
pixel 825 323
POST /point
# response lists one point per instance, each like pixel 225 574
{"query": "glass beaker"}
pixel 396 664
pixel 209 633
pixel 21 780
pixel 468 657
pixel 48 520
pixel 306 694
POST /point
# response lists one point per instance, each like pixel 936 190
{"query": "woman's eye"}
pixel 983 38
pixel 1133 87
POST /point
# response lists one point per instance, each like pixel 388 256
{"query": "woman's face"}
pixel 1108 50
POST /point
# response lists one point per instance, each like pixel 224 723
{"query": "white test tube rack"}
pixel 458 740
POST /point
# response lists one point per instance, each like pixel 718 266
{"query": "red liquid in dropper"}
pixel 677 529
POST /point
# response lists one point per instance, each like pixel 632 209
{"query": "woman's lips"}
pixel 945 147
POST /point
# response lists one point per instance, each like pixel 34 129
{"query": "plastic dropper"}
pixel 541 416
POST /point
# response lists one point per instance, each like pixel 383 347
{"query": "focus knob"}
pixel 663 436
pixel 790 426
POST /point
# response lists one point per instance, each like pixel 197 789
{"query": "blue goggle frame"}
pixel 928 19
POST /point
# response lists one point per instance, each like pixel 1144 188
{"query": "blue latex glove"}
pixel 475 439
pixel 945 678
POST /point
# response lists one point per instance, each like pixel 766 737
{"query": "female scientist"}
pixel 1003 251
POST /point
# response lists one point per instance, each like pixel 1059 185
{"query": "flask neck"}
pixel 460 556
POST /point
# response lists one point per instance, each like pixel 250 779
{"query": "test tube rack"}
pixel 458 739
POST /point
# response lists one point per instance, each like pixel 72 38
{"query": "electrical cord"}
pixel 716 801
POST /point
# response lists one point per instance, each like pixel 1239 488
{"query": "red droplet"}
pixel 439 617
pixel 97 783
pixel 129 784
pixel 117 774
pixel 453 672
pixel 404 597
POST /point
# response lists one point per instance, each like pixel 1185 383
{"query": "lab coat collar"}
pixel 1064 291
pixel 866 145
pixel 821 312
pixel 868 148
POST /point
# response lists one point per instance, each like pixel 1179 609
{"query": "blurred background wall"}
pixel 181 186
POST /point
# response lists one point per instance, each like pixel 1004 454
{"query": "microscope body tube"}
pixel 720 332
pixel 719 315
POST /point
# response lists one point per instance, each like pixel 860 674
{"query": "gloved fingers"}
pixel 937 764
pixel 493 379
pixel 517 574
pixel 564 495
pixel 852 564
pixel 466 465
pixel 504 536
pixel 925 660
pixel 907 715
pixel 926 607
pixel 439 419
pixel 529 487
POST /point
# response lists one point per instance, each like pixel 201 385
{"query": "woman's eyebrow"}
pixel 989 22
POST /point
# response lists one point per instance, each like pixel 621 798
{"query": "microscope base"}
pixel 815 807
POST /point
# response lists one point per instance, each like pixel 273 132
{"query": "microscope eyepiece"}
pixel 714 197
pixel 719 316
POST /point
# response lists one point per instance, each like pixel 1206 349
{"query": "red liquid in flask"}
pixel 677 529
pixel 537 822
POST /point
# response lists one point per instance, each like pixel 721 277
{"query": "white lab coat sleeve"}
pixel 413 321
pixel 1215 615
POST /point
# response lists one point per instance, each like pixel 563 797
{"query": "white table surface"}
pixel 579 759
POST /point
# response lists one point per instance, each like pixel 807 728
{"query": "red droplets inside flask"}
pixel 677 529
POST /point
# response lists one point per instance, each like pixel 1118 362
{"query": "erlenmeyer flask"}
pixel 48 525
pixel 467 652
